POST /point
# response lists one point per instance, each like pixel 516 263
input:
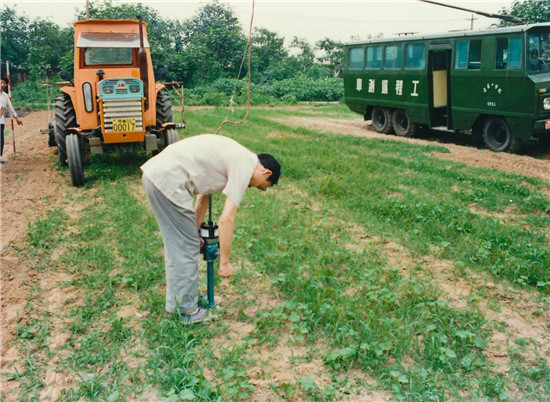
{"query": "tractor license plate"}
pixel 124 124
pixel 547 124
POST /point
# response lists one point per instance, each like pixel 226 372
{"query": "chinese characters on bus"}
pixel 385 87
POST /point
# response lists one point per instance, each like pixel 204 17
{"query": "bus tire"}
pixel 74 159
pixel 497 135
pixel 402 125
pixel 382 120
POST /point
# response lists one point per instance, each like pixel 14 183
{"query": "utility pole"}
pixel 87 9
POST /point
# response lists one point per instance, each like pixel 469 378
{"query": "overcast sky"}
pixel 311 20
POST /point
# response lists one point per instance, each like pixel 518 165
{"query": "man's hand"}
pixel 18 121
pixel 225 270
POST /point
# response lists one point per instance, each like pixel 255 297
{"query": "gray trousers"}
pixel 181 250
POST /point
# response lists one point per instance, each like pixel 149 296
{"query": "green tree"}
pixel 305 59
pixel 530 11
pixel 214 45
pixel 14 31
pixel 333 55
pixel 268 53
pixel 47 45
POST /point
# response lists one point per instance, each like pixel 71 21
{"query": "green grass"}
pixel 338 297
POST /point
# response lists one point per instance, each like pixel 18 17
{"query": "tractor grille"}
pixel 122 109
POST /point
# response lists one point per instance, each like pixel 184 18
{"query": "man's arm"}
pixel 11 111
pixel 227 224
pixel 200 208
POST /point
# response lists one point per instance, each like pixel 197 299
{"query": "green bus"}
pixel 493 83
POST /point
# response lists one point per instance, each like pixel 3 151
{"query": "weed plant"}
pixel 340 297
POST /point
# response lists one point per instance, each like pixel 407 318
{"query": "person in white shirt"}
pixel 5 104
pixel 199 165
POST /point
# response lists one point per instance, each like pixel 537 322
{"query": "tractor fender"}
pixel 71 92
pixel 158 87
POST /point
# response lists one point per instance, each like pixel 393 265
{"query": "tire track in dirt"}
pixel 30 186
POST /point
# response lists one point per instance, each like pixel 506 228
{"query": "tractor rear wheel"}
pixel 74 159
pixel 65 117
pixel 381 120
pixel 164 109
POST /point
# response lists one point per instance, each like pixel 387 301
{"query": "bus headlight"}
pixel 546 104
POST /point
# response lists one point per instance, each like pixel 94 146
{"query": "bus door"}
pixel 439 80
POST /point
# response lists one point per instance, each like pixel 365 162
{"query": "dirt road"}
pixel 31 185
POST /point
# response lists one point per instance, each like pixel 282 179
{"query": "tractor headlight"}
pixel 546 104
pixel 108 89
pixel 88 101
pixel 134 89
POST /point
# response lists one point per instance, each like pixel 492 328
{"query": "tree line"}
pixel 204 52
pixel 202 49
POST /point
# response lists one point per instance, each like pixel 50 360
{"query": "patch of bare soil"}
pixel 30 186
pixel 533 162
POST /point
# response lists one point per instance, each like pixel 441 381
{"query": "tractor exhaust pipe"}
pixel 142 60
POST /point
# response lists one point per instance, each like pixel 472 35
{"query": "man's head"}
pixel 267 172
pixel 3 82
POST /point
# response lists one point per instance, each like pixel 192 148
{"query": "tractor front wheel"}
pixel 171 136
pixel 74 159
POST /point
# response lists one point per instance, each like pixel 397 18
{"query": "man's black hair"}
pixel 4 78
pixel 269 162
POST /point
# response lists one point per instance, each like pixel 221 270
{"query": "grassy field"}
pixel 383 270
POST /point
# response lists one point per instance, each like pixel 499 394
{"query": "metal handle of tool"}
pixel 209 233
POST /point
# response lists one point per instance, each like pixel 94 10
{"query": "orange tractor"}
pixel 114 101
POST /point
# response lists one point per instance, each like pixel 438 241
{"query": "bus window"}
pixel 539 53
pixel 374 57
pixel 508 54
pixel 415 56
pixel 468 54
pixel 356 58
pixel 393 57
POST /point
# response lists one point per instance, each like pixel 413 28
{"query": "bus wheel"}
pixel 381 120
pixel 497 135
pixel 402 125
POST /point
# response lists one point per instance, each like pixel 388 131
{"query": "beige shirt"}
pixel 203 164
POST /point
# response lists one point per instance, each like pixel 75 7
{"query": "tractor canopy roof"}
pixel 109 33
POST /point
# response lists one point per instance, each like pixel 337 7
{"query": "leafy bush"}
pixel 307 89
pixel 31 93
pixel 298 89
